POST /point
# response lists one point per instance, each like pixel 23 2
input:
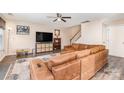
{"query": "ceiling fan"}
pixel 59 17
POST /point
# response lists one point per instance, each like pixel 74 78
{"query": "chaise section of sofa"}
pixel 63 67
pixel 39 70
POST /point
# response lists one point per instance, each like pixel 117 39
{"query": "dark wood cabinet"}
pixel 2 23
pixel 57 44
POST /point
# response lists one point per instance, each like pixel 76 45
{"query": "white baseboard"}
pixel 1 58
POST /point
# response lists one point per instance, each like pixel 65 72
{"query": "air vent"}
pixel 11 14
pixel 85 21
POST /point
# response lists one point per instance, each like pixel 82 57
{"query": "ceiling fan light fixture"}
pixel 59 19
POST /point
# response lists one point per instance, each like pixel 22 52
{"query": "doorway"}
pixel 117 40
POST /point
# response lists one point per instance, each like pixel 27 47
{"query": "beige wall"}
pixel 73 30
pixel 70 32
pixel 26 41
pixel 92 32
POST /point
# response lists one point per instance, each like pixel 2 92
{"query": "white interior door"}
pixel 117 41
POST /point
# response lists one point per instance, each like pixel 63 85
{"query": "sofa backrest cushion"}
pixel 82 47
pixel 101 47
pixel 67 71
pixel 68 51
pixel 75 46
pixel 94 50
pixel 87 67
pixel 58 60
pixel 97 48
pixel 91 46
pixel 83 53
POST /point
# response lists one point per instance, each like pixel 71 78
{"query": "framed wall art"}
pixel 23 30
pixel 57 32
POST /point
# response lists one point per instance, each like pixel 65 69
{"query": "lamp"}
pixel 9 28
pixel 59 19
pixel 57 32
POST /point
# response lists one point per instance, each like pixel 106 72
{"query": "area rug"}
pixel 19 70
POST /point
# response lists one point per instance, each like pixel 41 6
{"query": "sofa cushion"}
pixel 39 70
pixel 91 46
pixel 69 48
pixel 67 71
pixel 82 47
pixel 100 59
pixel 101 47
pixel 97 48
pixel 87 67
pixel 94 50
pixel 61 59
pixel 83 53
pixel 66 51
pixel 75 46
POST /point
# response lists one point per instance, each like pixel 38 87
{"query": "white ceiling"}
pixel 77 18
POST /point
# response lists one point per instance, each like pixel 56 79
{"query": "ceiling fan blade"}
pixel 63 20
pixel 67 17
pixel 11 14
pixel 51 17
pixel 58 15
pixel 54 20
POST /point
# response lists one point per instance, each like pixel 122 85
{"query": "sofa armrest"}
pixel 39 70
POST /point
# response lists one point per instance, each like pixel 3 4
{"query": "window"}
pixel 1 39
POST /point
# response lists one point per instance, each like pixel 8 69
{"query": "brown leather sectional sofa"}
pixel 77 61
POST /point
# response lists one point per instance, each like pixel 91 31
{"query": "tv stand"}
pixel 42 47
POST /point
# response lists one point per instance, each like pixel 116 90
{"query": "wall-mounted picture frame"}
pixel 57 32
pixel 22 30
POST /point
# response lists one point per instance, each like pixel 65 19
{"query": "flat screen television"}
pixel 44 37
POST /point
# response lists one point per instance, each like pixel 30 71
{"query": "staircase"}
pixel 76 37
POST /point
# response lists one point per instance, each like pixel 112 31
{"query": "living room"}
pixel 88 29
pixel 89 58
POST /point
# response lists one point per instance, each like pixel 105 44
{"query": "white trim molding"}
pixel 2 55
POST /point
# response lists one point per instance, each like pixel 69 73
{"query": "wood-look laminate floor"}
pixel 4 65
pixel 114 70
